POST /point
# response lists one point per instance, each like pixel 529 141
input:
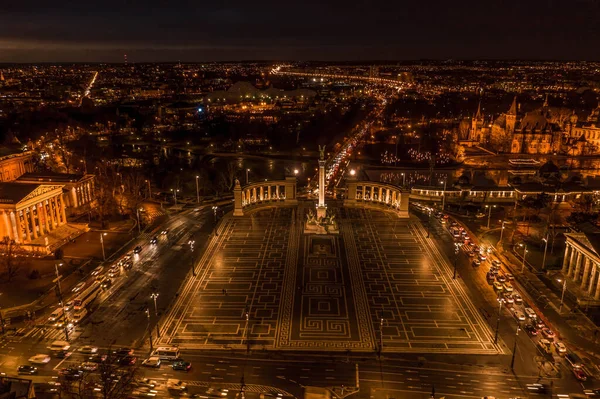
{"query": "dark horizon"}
pixel 33 31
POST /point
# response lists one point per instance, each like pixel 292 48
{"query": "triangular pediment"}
pixel 40 190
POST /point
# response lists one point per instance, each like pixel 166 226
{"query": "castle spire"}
pixel 546 101
pixel 478 114
pixel 513 107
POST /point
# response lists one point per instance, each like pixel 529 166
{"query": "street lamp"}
pixel 403 179
pixel 456 250
pixel 147 311
pixel 215 209
pixel 197 190
pixel 247 171
pixel 246 331
pixel 175 195
pixel 501 233
pixel 102 243
pixel 296 171
pixel 489 214
pixel 154 295
pixel 444 194
pixel 562 297
pixel 149 190
pixel 137 211
pixel 545 239
pixel 524 253
pixel 498 321
pixel 62 302
pixel 352 172
pixel 381 336
pixel 512 361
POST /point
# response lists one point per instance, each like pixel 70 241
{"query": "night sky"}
pixel 170 30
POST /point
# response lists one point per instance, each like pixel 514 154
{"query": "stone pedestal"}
pixel 321 212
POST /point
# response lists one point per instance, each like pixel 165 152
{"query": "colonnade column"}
pixel 592 281
pixel 586 273
pixel 62 210
pixel 7 225
pixel 26 225
pixel 32 217
pixel 571 261
pixel 568 253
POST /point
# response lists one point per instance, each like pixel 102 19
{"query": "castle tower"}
pixel 546 102
pixel 511 117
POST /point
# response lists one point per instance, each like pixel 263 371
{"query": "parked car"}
pixel 509 298
pixel 497 286
pixel 519 315
pixel 123 351
pixel 500 278
pixel 518 298
pixel 89 366
pixel 530 313
pixel 97 270
pixel 137 249
pixel 79 286
pixel 496 263
pixel 507 287
pixel 476 262
pixel 509 276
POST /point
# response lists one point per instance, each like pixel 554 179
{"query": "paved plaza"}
pixel 264 283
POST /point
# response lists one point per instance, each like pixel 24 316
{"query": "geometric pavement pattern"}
pixel 379 282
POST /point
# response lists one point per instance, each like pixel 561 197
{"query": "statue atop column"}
pixel 322 153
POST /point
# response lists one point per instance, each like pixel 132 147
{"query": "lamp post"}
pixel 562 296
pixel 137 211
pixel 101 243
pixel 381 337
pixel 501 233
pixel 545 239
pixel 197 190
pixel 296 171
pixel 175 194
pixel 154 295
pixel 148 327
pixel 215 209
pixel 456 250
pixel 428 222
pixel 246 331
pixel 512 361
pixel 524 253
pixel 489 214
pixel 62 302
pixel 149 190
pixel 403 179
pixel 247 171
pixel 444 194
pixel 498 320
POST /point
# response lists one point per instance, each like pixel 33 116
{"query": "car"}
pixel 471 254
pixel 494 270
pixel 539 324
pixel 27 369
pixel 147 383
pixel 97 270
pixel 164 232
pixel 476 262
pixel 496 263
pixel 106 283
pixel 152 361
pixel 89 366
pixel 509 298
pixel 62 354
pixel 97 358
pixel 181 364
pixel 507 287
pixel 153 240
pixel 509 276
pixel 79 286
pixel 579 374
pixel 71 373
pixel 518 298
pixel 39 359
pixel 128 265
pixel 519 315
pixel 500 278
pixel 137 249
pixel 482 257
pixel 128 360
pixel 560 347
pixel 531 330
pixel 490 277
pixel 547 333
pixel 88 349
pixel 530 313
pixel 497 286
pixel 114 272
pixel 537 388
pixel 123 351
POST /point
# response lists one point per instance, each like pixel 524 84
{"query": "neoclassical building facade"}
pixel 581 264
pixel 30 211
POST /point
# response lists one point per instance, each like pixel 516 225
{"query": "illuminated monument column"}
pixel 321 207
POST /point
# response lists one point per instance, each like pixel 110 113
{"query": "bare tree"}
pixel 227 177
pixel 110 380
pixel 11 258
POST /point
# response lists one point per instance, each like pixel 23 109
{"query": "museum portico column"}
pixel 586 273
pixel 32 217
pixel 17 226
pixel 580 260
pixel 566 260
pixel 592 281
pixel 7 225
pixel 597 292
pixel 572 262
pixel 62 210
pixel 26 226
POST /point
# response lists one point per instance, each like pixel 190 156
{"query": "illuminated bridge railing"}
pixel 380 195
pixel 270 192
